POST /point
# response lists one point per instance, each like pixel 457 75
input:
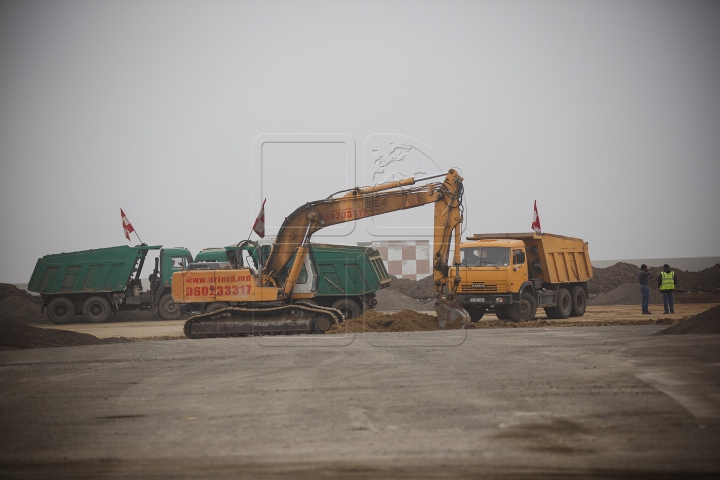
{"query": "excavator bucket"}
pixel 451 314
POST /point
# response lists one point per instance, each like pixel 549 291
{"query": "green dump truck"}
pixel 96 282
pixel 337 276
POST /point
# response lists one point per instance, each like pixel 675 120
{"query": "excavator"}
pixel 245 299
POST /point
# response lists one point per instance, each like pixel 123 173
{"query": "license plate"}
pixel 477 300
pixel 478 285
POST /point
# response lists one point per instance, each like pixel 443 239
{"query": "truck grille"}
pixel 478 289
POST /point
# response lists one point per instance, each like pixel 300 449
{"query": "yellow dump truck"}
pixel 512 274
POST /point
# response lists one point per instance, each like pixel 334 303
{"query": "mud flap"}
pixel 451 314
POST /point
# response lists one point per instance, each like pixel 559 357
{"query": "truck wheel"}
pixel 523 310
pixel 579 301
pixel 215 306
pixel 60 310
pixel 168 309
pixel 475 315
pixel 96 309
pixel 550 312
pixel 349 308
pixel 501 312
pixel 564 304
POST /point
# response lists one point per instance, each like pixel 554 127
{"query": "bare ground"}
pixel 594 316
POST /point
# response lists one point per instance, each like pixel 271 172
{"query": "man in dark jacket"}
pixel 643 276
pixel 666 283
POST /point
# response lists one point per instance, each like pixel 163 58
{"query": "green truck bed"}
pixel 87 271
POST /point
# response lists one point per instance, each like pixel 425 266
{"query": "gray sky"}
pixel 606 113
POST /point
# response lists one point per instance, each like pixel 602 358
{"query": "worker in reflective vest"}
pixel 666 284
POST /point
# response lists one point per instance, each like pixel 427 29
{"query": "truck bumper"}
pixel 480 300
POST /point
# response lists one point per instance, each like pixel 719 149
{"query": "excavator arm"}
pixel 363 202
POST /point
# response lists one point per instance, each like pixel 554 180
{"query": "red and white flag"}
pixel 127 226
pixel 536 220
pixel 259 226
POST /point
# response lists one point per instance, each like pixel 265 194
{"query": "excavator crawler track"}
pixel 241 321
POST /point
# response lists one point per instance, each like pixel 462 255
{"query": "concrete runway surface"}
pixel 593 402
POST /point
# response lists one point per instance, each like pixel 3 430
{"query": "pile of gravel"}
pixel 625 294
pixel 707 322
pixel 17 336
pixel 606 279
pixel 8 290
pixel 391 300
pixel 21 310
pixel 403 321
pixel 419 289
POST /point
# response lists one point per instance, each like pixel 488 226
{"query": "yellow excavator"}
pixel 251 301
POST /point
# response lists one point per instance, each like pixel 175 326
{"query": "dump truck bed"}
pixel 560 259
pixel 349 270
pixel 97 270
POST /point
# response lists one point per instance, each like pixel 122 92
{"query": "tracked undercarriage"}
pixel 240 321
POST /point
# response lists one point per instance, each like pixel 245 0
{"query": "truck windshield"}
pixel 484 256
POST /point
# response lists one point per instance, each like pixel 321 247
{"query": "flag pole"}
pixel 135 232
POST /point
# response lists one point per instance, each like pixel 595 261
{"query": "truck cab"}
pixel 492 271
pixel 171 260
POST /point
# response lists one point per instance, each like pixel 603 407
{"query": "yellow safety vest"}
pixel 668 281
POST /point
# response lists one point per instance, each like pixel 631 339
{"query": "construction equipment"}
pixel 100 281
pixel 512 274
pixel 257 300
pixel 337 276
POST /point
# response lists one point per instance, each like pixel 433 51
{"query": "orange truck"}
pixel 514 274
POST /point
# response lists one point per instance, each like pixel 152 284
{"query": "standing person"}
pixel 666 283
pixel 643 277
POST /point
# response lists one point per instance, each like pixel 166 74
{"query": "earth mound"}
pixel 403 321
pixel 419 289
pixel 390 300
pixel 18 336
pixel 8 290
pixel 707 322
pixel 608 278
pixel 21 310
pixel 625 294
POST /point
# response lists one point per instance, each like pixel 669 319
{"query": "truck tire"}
pixel 168 309
pixel 550 312
pixel 215 306
pixel 349 308
pixel 475 314
pixel 579 301
pixel 564 304
pixel 60 310
pixel 523 310
pixel 501 312
pixel 96 309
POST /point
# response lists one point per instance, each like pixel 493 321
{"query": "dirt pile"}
pixel 403 321
pixel 419 289
pixel 8 290
pixel 712 296
pixel 606 279
pixel 17 336
pixel 392 300
pixel 707 322
pixel 625 294
pixel 21 310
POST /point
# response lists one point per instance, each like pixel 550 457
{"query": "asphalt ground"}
pixel 590 402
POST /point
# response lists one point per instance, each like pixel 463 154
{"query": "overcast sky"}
pixel 607 113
